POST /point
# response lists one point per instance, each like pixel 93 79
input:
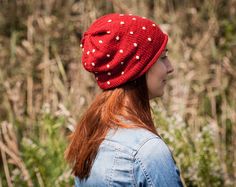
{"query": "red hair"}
pixel 129 100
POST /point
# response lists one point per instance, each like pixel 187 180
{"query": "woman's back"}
pixel 133 157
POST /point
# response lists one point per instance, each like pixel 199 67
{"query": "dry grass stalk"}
pixel 8 146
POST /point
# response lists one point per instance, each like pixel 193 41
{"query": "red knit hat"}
pixel 119 48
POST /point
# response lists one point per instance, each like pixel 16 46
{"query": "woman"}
pixel 115 142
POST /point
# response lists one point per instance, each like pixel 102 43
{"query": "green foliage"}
pixel 195 154
pixel 43 153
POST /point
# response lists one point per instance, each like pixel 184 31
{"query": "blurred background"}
pixel 44 88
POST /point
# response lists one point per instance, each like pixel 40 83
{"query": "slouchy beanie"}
pixel 118 48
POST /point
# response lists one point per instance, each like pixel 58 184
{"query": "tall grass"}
pixel 44 89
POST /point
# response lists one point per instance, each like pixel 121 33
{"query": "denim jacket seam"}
pixel 133 177
pixel 144 172
pixel 120 146
pixel 109 177
pixel 142 166
pixel 144 142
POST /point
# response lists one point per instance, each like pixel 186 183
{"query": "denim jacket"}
pixel 132 157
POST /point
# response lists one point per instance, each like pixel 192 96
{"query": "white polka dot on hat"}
pixel 118 48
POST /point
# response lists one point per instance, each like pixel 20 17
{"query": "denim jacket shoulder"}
pixel 133 157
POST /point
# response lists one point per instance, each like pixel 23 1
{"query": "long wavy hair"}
pixel 129 100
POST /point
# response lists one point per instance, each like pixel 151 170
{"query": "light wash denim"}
pixel 132 157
